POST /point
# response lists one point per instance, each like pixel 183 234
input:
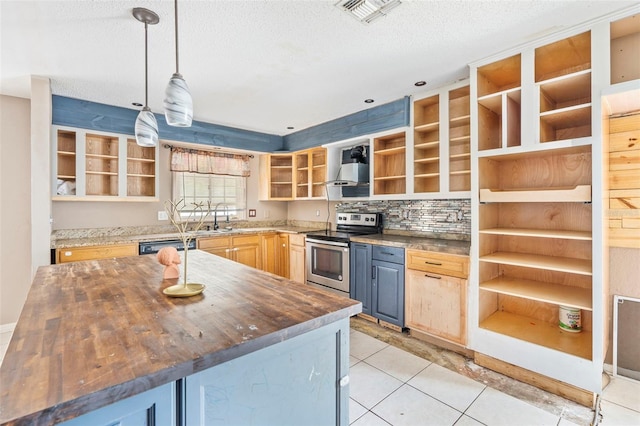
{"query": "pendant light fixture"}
pixel 178 105
pixel 146 127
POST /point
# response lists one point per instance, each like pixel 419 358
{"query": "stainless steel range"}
pixel 328 251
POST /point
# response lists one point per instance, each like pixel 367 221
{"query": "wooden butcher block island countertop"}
pixel 95 332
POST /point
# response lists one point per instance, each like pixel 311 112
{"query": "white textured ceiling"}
pixel 266 65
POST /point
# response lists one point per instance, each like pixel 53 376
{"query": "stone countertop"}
pixel 95 332
pixel 417 243
pixel 126 239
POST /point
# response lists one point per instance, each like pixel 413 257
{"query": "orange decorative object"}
pixel 169 257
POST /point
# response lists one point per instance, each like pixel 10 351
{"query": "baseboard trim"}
pixel 565 390
pixel 5 328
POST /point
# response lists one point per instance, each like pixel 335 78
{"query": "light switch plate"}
pixel 252 212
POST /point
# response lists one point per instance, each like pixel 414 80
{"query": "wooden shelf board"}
pixel 103 156
pixel 69 153
pixel 460 139
pixel 426 175
pixel 66 177
pixel 91 172
pixel 540 233
pixel 556 294
pixel 390 151
pixel 140 175
pixel 318 166
pixel 572 116
pixel 282 167
pixel 426 127
pixel 465 155
pixel 381 178
pixel 573 78
pixel 427 160
pixel 427 145
pixel 142 160
pixel 551 263
pixel 281 183
pixel 460 172
pixel 540 333
pixel 578 193
pixel 92 198
pixel 302 169
pixel 460 120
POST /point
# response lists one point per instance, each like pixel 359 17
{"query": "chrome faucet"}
pixel 215 215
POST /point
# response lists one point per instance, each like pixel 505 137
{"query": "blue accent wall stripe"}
pixel 384 117
pixel 107 118
pixel 95 116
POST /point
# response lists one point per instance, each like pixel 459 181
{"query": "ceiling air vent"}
pixel 367 10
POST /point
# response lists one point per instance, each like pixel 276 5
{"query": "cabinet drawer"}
pixel 438 263
pixel 96 252
pixel 243 240
pixel 213 243
pixel 388 254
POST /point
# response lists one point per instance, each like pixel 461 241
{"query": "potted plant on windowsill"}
pixel 188 222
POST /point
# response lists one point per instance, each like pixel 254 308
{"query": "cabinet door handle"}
pixel 433 276
pixel 387 253
pixel 432 263
pixel 373 272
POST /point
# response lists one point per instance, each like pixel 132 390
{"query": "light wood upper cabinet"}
pixel 299 175
pixel 426 144
pixel 95 166
pixel 390 167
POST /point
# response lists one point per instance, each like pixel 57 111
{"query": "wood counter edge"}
pixel 90 402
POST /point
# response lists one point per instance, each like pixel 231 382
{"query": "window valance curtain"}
pixel 217 163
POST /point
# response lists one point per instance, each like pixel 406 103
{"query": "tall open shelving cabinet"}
pixel 537 189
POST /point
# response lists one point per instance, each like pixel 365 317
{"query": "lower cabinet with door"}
pixel 377 280
pixel 74 254
pixel 436 295
pixel 297 258
pixel 269 386
pixel 243 249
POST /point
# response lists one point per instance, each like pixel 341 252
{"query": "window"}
pixel 229 193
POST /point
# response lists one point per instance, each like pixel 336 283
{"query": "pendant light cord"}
pixel 146 69
pixel 176 26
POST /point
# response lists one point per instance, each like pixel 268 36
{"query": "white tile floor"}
pixel 390 386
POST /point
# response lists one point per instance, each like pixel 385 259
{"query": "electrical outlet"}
pixel 317 212
pixel 162 215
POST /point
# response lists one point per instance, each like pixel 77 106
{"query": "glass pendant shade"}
pixel 178 105
pixel 146 128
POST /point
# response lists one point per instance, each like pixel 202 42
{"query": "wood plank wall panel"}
pixel 384 117
pixel 624 181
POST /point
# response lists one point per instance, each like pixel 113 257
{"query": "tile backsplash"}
pixel 448 219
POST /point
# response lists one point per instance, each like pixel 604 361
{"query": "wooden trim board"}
pixel 573 393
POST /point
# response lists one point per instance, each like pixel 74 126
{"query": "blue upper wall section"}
pixel 384 117
pixel 95 116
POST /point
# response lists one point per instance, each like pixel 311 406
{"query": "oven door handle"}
pixel 327 243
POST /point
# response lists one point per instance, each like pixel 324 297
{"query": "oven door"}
pixel 328 264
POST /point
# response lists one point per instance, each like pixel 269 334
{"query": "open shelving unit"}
pixel 101 168
pixel 389 175
pixel 499 99
pixel 281 176
pixel 426 147
pixel 318 172
pixel 535 246
pixel 563 77
pixel 302 174
pixel 66 156
pixel 459 140
pixel 141 170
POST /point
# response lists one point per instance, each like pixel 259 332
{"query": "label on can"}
pixel 570 319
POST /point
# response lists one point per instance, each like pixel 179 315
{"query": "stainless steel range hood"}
pixel 352 174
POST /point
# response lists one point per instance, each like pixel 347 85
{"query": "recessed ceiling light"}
pixel 369 101
pixel 420 83
pixel 136 104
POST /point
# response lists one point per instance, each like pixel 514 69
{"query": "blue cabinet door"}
pixel 300 381
pixel 155 407
pixel 360 275
pixel 387 301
